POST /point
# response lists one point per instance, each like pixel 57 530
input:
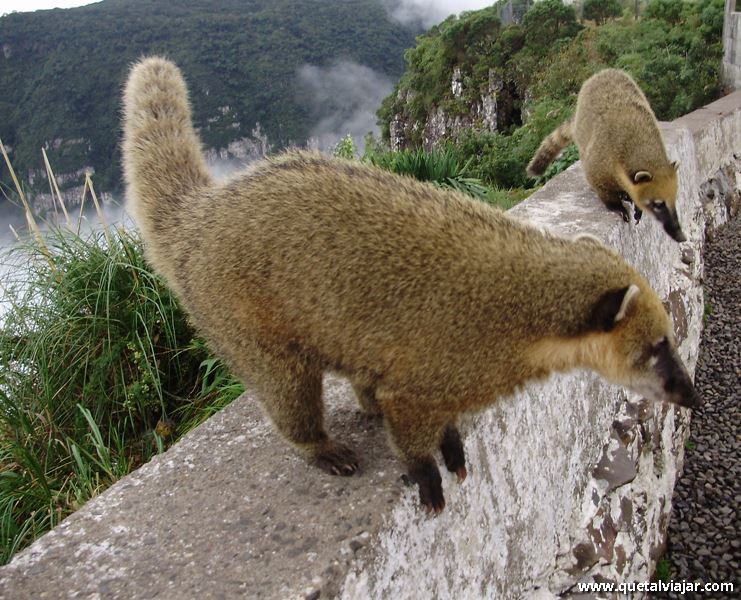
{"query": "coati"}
pixel 430 302
pixel 621 149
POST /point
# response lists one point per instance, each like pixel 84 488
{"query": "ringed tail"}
pixel 162 155
pixel 550 147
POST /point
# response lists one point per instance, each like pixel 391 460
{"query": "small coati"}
pixel 620 147
pixel 430 302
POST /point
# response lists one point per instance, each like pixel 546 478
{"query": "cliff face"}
pixel 491 111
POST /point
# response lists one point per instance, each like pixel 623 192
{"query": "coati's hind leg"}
pixel 453 453
pixel 416 432
pixel 290 387
pixel 366 395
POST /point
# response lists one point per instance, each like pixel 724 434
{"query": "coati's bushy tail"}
pixel 549 148
pixel 162 155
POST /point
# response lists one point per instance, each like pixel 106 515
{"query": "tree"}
pixel 601 10
pixel 666 10
pixel 547 22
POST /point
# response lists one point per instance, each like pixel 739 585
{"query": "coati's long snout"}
pixel 641 352
pixel 668 218
pixel 667 379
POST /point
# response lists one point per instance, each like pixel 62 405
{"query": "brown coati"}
pixel 620 147
pixel 430 302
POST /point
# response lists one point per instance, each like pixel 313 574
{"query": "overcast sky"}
pixel 429 12
pixel 8 6
pixel 426 11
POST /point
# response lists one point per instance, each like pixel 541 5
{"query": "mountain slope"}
pixel 61 71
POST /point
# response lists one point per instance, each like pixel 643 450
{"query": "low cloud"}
pixel 344 97
pixel 430 12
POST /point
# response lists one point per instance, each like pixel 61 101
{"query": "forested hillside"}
pixel 527 75
pixel 61 71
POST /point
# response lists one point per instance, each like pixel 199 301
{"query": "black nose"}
pixel 679 236
pixel 682 392
pixel 693 400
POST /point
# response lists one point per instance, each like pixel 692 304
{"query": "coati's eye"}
pixel 659 346
pixel 658 205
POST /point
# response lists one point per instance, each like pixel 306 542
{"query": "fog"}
pixel 344 97
pixel 429 12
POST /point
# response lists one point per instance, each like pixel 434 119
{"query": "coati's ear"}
pixel 642 177
pixel 611 308
pixel 675 165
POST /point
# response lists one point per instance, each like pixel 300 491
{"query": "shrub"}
pixel 99 370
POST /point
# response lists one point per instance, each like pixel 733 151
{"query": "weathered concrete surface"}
pixel 569 481
pixel 731 64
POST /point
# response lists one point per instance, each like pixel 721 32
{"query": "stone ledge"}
pixel 569 481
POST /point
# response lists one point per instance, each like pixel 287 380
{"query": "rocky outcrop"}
pixel 489 111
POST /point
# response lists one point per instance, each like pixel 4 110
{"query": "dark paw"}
pixel 427 476
pixel 619 207
pixel 624 213
pixel 337 460
pixel 637 214
pixel 453 454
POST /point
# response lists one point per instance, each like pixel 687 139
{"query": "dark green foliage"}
pixel 99 370
pixel 499 160
pixel 547 22
pixel 667 10
pixel 601 10
pixel 62 71
pixel 676 66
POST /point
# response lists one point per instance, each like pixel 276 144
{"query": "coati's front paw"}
pixel 453 454
pixel 337 459
pixel 427 476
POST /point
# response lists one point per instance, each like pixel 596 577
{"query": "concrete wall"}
pixel 731 65
pixel 569 481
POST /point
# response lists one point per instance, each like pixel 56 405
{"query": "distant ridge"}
pixel 61 71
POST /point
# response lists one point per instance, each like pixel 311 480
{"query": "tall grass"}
pixel 446 167
pixel 443 167
pixel 99 370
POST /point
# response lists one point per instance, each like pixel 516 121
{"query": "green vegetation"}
pixel 99 370
pixel 442 167
pixel 663 570
pixel 62 71
pixel 538 67
pixel 601 10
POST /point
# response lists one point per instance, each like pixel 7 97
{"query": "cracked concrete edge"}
pixel 230 511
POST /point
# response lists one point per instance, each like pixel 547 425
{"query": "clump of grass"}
pixel 443 167
pixel 506 199
pixel 99 371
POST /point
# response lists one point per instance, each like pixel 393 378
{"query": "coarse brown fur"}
pixel 621 148
pixel 432 303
